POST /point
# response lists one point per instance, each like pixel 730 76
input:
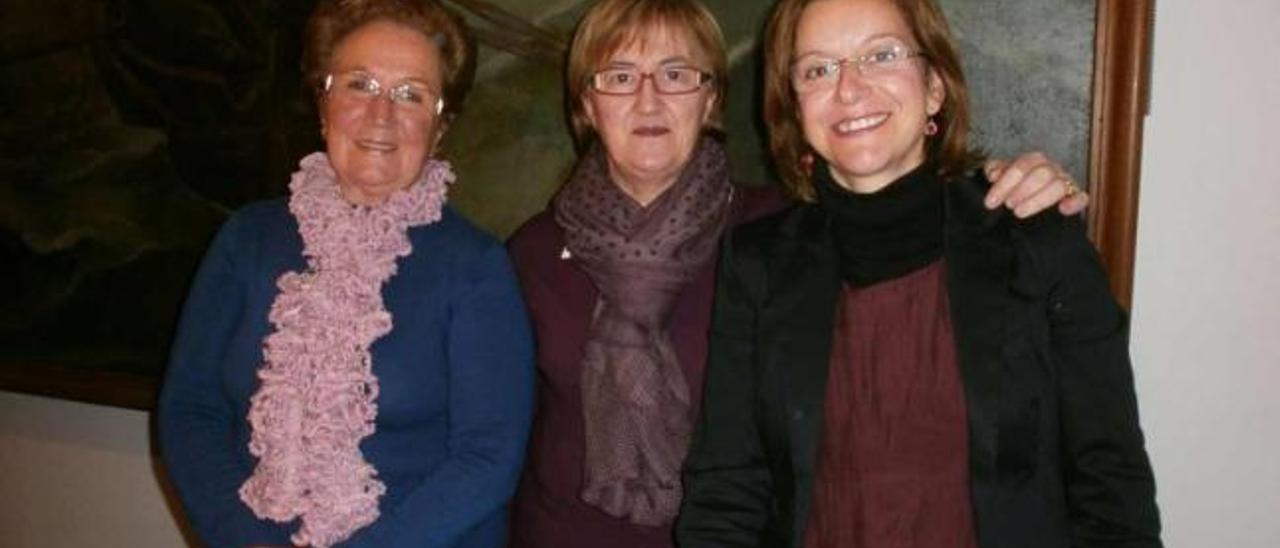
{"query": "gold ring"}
pixel 1071 188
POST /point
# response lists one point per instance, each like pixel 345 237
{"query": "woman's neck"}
pixel 888 233
pixel 357 196
pixel 643 191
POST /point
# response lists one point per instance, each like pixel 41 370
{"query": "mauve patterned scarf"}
pixel 636 403
pixel 317 397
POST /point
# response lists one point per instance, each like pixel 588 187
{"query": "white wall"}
pixel 78 475
pixel 1206 322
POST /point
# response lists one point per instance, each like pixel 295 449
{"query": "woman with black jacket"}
pixel 891 364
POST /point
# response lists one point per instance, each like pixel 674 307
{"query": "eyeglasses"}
pixel 667 81
pixel 361 87
pixel 814 73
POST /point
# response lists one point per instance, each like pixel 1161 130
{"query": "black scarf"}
pixel 885 234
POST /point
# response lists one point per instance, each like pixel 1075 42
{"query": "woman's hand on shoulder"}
pixel 1032 183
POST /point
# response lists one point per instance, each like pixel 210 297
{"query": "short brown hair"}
pixel 949 148
pixel 334 20
pixel 611 25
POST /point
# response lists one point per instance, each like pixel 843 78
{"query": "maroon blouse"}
pixel 893 469
pixel 547 511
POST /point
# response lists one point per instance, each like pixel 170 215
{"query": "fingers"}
pixel 1062 191
pixel 994 168
pixel 1006 178
pixel 1045 196
pixel 1075 204
pixel 1033 183
pixel 1039 189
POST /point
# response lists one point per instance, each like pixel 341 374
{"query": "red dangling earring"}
pixel 931 128
pixel 806 164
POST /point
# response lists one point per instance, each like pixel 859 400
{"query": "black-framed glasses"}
pixel 359 86
pixel 667 81
pixel 815 72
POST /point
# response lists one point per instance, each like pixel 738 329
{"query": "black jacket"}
pixel 1056 453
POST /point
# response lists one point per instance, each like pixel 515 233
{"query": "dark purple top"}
pixel 894 466
pixel 547 511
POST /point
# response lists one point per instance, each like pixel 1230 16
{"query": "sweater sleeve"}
pixel 196 418
pixel 490 353
pixel 1109 484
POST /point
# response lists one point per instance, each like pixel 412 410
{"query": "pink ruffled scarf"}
pixel 317 399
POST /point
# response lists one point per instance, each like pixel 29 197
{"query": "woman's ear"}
pixel 589 110
pixel 708 109
pixel 936 94
pixel 441 129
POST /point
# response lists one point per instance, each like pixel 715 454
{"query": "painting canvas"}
pixel 130 129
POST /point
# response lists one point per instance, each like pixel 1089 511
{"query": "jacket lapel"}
pixel 978 265
pixel 805 284
pixel 983 289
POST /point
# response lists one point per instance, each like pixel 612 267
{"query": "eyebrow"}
pixel 676 60
pixel 408 79
pixel 869 40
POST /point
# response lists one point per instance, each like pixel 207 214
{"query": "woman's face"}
pixel 649 136
pixel 380 115
pixel 868 125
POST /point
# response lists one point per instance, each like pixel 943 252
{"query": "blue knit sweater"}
pixel 455 373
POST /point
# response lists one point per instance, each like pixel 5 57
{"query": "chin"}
pixel 372 181
pixel 861 164
pixel 651 152
pixel 654 165
pixel 657 163
pixel 870 162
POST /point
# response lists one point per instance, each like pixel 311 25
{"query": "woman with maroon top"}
pixel 892 364
pixel 618 274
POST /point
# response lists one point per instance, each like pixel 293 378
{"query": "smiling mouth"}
pixel 376 146
pixel 857 125
pixel 651 131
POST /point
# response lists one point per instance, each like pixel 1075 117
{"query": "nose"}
pixel 647 96
pixel 380 108
pixel 851 85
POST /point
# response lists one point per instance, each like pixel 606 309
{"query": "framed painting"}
pixel 130 129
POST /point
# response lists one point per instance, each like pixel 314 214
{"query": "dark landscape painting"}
pixel 130 129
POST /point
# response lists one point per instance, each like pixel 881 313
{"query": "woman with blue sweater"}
pixel 353 365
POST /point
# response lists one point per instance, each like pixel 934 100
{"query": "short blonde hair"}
pixel 949 148
pixel 611 25
pixel 334 20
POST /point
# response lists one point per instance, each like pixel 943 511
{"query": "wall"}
pixel 74 475
pixel 1205 341
pixel 1207 291
pixel 1029 68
